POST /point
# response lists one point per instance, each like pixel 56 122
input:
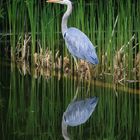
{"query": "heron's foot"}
pixel 76 63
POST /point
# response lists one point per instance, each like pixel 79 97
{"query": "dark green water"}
pixel 32 105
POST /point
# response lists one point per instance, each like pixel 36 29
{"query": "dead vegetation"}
pixel 119 66
pixel 136 69
pixel 43 59
pixel 44 62
pixel 23 51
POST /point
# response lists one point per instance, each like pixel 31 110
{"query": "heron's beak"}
pixel 53 1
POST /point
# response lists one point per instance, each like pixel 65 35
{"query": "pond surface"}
pixel 32 105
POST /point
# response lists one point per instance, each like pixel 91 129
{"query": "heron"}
pixel 78 112
pixel 76 41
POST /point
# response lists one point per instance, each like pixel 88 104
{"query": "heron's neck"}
pixel 64 130
pixel 65 17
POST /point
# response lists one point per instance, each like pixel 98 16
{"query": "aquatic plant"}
pixel 1 12
pixel 109 25
pixel 36 104
pixel 33 20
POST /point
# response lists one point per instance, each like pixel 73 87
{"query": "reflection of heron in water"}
pixel 77 113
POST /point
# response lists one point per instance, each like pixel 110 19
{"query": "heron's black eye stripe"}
pixel 64 34
pixel 65 118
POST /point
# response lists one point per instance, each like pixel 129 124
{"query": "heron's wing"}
pixel 80 46
pixel 78 112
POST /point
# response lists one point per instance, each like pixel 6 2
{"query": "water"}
pixel 32 104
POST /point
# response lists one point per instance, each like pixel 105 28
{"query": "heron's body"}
pixel 79 45
pixel 78 112
pixel 76 41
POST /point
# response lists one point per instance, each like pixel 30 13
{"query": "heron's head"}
pixel 59 1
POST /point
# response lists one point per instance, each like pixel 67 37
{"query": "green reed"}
pixel 11 7
pixel 96 19
pixel 36 105
pixel 33 20
pixel 16 15
pixel 1 12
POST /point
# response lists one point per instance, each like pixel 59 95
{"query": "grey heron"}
pixel 77 113
pixel 76 41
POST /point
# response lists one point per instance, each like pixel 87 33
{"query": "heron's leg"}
pixel 88 70
pixel 75 96
pixel 75 60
